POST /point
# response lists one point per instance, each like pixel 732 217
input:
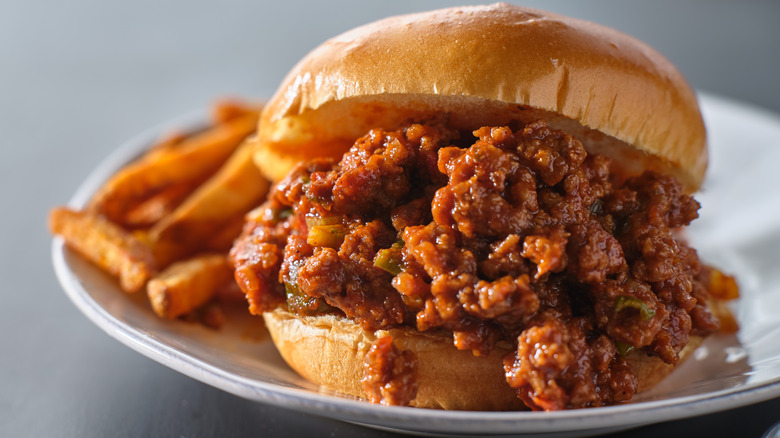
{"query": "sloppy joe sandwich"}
pixel 480 208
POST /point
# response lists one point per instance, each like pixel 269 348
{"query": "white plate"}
pixel 739 230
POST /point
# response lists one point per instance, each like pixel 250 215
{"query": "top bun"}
pixel 486 66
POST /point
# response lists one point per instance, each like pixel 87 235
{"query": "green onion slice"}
pixel 298 302
pixel 623 348
pixel 282 214
pixel 624 301
pixel 389 259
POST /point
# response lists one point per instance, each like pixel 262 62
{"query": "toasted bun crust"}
pixel 330 351
pixel 485 66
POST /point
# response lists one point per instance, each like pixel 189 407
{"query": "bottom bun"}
pixel 330 351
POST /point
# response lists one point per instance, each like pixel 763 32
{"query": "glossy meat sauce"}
pixel 514 235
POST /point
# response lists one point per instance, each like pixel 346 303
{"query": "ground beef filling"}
pixel 391 374
pixel 515 235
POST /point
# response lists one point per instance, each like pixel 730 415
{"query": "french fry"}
pixel 722 286
pixel 212 316
pixel 151 210
pixel 187 194
pixel 191 161
pixel 105 244
pixel 186 285
pixel 720 309
pixel 222 240
pixel 235 189
pixel 226 110
pixel 231 293
pixel 165 144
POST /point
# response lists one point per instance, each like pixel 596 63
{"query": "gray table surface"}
pixel 79 77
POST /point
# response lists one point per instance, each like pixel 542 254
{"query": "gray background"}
pixel 79 77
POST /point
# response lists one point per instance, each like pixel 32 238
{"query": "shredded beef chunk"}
pixel 515 235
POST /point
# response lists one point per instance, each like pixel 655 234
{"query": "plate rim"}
pixel 413 419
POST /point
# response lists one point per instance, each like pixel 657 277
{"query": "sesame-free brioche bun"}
pixel 471 67
pixel 486 66
pixel 330 351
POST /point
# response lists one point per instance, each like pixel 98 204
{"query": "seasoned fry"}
pixel 231 293
pixel 184 286
pixel 223 238
pixel 722 286
pixel 165 144
pixel 110 247
pixel 151 210
pixel 194 159
pixel 226 110
pixel 187 194
pixel 212 316
pixel 720 309
pixel 234 190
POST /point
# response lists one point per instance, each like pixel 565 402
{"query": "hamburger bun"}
pixel 471 67
pixel 330 351
pixel 485 66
